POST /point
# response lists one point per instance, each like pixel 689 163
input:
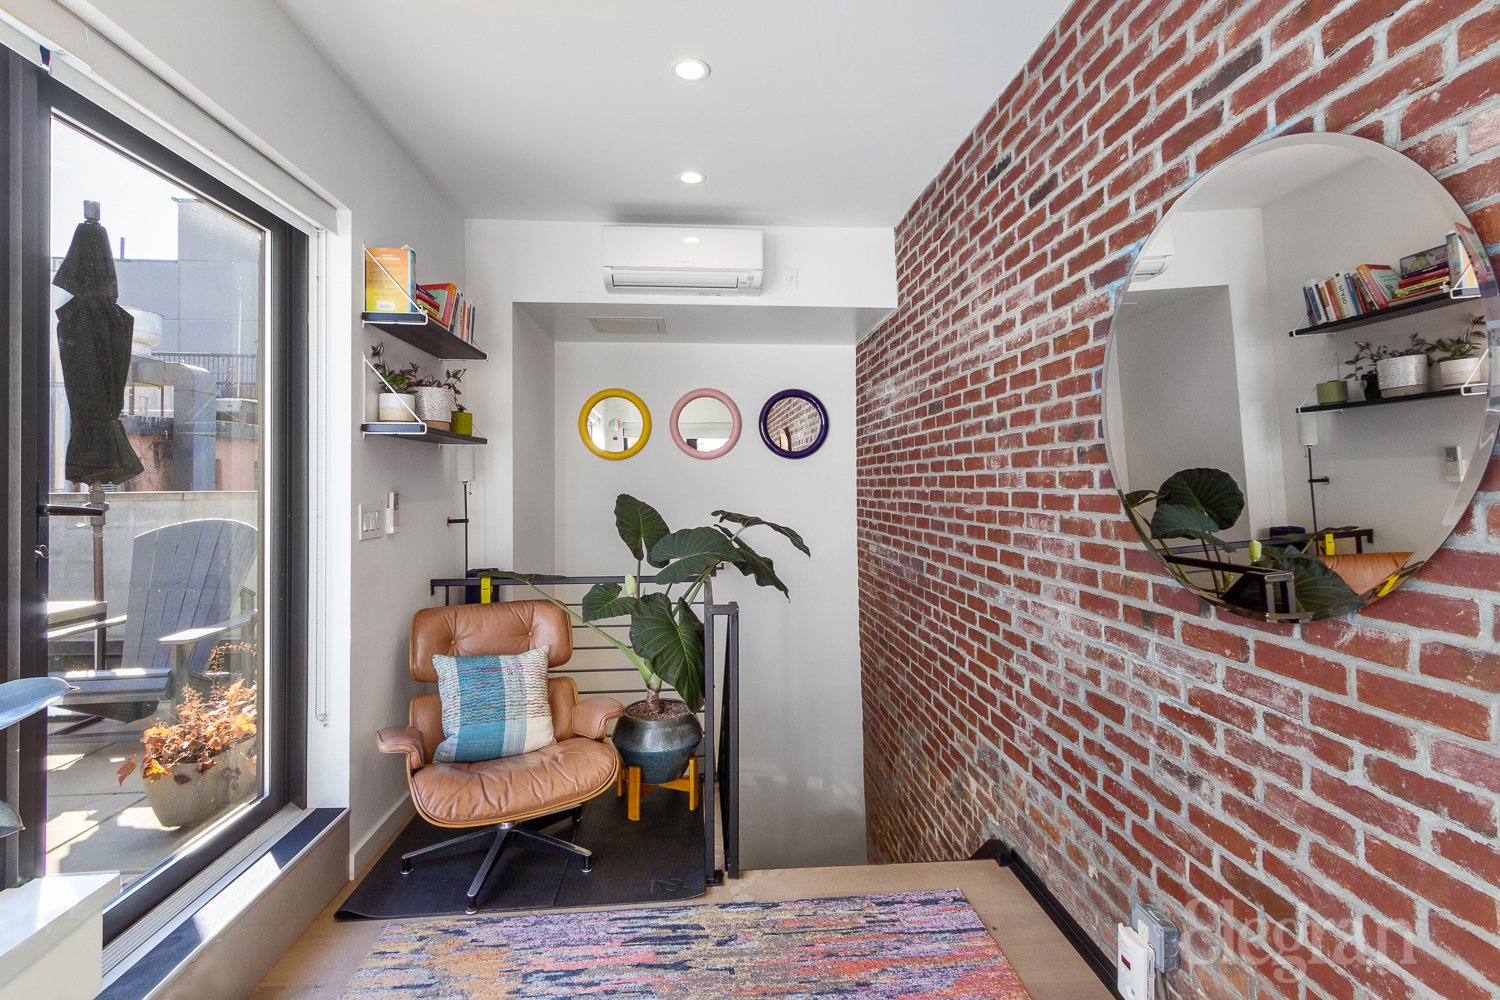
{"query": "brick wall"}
pixel 1317 805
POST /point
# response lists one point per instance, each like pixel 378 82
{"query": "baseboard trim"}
pixel 1097 959
pixel 374 842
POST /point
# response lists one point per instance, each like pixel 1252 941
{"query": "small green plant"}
pixel 1456 349
pixel 1194 505
pixel 396 379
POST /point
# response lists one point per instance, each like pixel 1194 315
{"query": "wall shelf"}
pixel 414 430
pixel 1355 404
pixel 1444 298
pixel 422 332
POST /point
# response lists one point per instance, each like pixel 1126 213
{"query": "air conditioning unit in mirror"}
pixel 688 260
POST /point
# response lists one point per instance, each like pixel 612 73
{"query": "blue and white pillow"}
pixel 493 706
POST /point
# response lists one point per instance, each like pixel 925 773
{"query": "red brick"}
pixel 1466 716
pixel 1453 99
pixel 1362 727
pixel 1364 642
pixel 1333 75
pixel 1476 668
pixel 1478 33
pixel 1454 895
pixel 1470 947
pixel 1477 812
pixel 1457 615
pixel 1418 72
pixel 1365 805
pixel 1467 764
pixel 1387 898
pixel 1304 667
pixel 1355 20
pixel 1422 19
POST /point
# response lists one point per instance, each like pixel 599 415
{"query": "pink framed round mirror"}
pixel 705 423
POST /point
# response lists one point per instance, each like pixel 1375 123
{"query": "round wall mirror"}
pixel 614 423
pixel 705 423
pixel 1299 398
pixel 793 423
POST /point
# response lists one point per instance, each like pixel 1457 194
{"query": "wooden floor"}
pixel 326 956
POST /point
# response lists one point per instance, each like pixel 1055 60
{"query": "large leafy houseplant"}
pixel 666 635
pixel 1193 505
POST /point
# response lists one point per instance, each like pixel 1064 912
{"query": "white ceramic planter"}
pixel 435 405
pixel 1402 376
pixel 192 801
pixel 390 406
pixel 1456 373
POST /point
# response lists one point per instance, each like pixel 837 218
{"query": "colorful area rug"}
pixel 906 945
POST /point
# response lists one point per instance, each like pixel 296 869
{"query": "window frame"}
pixel 31 99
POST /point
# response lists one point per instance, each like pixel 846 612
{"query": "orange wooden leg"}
pixel 633 803
pixel 620 781
pixel 692 790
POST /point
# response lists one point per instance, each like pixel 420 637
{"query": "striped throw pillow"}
pixel 493 706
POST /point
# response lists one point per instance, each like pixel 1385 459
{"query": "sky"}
pixel 134 202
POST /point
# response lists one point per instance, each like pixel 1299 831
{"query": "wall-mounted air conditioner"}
pixel 669 259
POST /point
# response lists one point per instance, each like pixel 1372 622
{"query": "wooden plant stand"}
pixel 629 783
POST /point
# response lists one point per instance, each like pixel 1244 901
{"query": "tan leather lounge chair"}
pixel 499 794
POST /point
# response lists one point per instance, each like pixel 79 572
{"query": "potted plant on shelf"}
pixel 666 635
pixel 1399 371
pixel 202 761
pixel 396 403
pixel 1461 359
pixel 437 397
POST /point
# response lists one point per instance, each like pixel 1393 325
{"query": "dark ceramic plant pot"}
pixel 659 747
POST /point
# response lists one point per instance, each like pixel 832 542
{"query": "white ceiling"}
pixel 713 322
pixel 822 113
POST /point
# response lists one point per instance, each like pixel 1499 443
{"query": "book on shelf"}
pixel 440 301
pixel 1369 288
pixel 390 280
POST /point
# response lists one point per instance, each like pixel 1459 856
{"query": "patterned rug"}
pixel 907 945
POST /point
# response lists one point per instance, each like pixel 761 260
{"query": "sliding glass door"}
pixel 153 372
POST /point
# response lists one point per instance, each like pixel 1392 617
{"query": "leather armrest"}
pixel 591 716
pixel 403 739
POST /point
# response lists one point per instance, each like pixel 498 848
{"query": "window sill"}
pixel 51 935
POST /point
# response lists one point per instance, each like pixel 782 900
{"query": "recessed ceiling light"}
pixel 691 177
pixel 690 240
pixel 691 70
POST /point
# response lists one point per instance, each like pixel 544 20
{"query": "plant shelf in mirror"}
pixel 614 424
pixel 793 423
pixel 1202 404
pixel 705 423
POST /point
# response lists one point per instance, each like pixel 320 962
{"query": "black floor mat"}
pixel 659 859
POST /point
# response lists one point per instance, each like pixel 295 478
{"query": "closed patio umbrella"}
pixel 93 346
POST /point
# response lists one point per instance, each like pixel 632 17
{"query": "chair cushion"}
pixel 548 780
pixel 493 706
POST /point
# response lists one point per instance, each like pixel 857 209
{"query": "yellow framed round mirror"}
pixel 614 424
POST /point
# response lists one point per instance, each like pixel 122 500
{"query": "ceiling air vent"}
pixel 628 326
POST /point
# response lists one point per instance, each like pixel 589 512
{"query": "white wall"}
pixel 1385 463
pixel 802 784
pixel 246 62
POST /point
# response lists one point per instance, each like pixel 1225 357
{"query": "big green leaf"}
pixel 1210 490
pixel 685 553
pixel 752 563
pixel 1321 593
pixel 640 526
pixel 1137 497
pixel 605 600
pixel 750 521
pixel 1177 521
pixel 671 639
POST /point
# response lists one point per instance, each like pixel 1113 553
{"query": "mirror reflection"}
pixel 705 423
pixel 1297 387
pixel 793 423
pixel 614 423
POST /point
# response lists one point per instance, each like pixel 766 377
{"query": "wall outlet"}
pixel 1133 979
pixel 1160 933
pixel 368 523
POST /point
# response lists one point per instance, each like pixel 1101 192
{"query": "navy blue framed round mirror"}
pixel 794 423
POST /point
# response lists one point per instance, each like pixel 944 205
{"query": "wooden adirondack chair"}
pixel 184 579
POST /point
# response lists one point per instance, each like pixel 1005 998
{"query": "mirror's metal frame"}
pixel 705 393
pixel 628 396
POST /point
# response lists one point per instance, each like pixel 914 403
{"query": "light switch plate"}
pixel 368 521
